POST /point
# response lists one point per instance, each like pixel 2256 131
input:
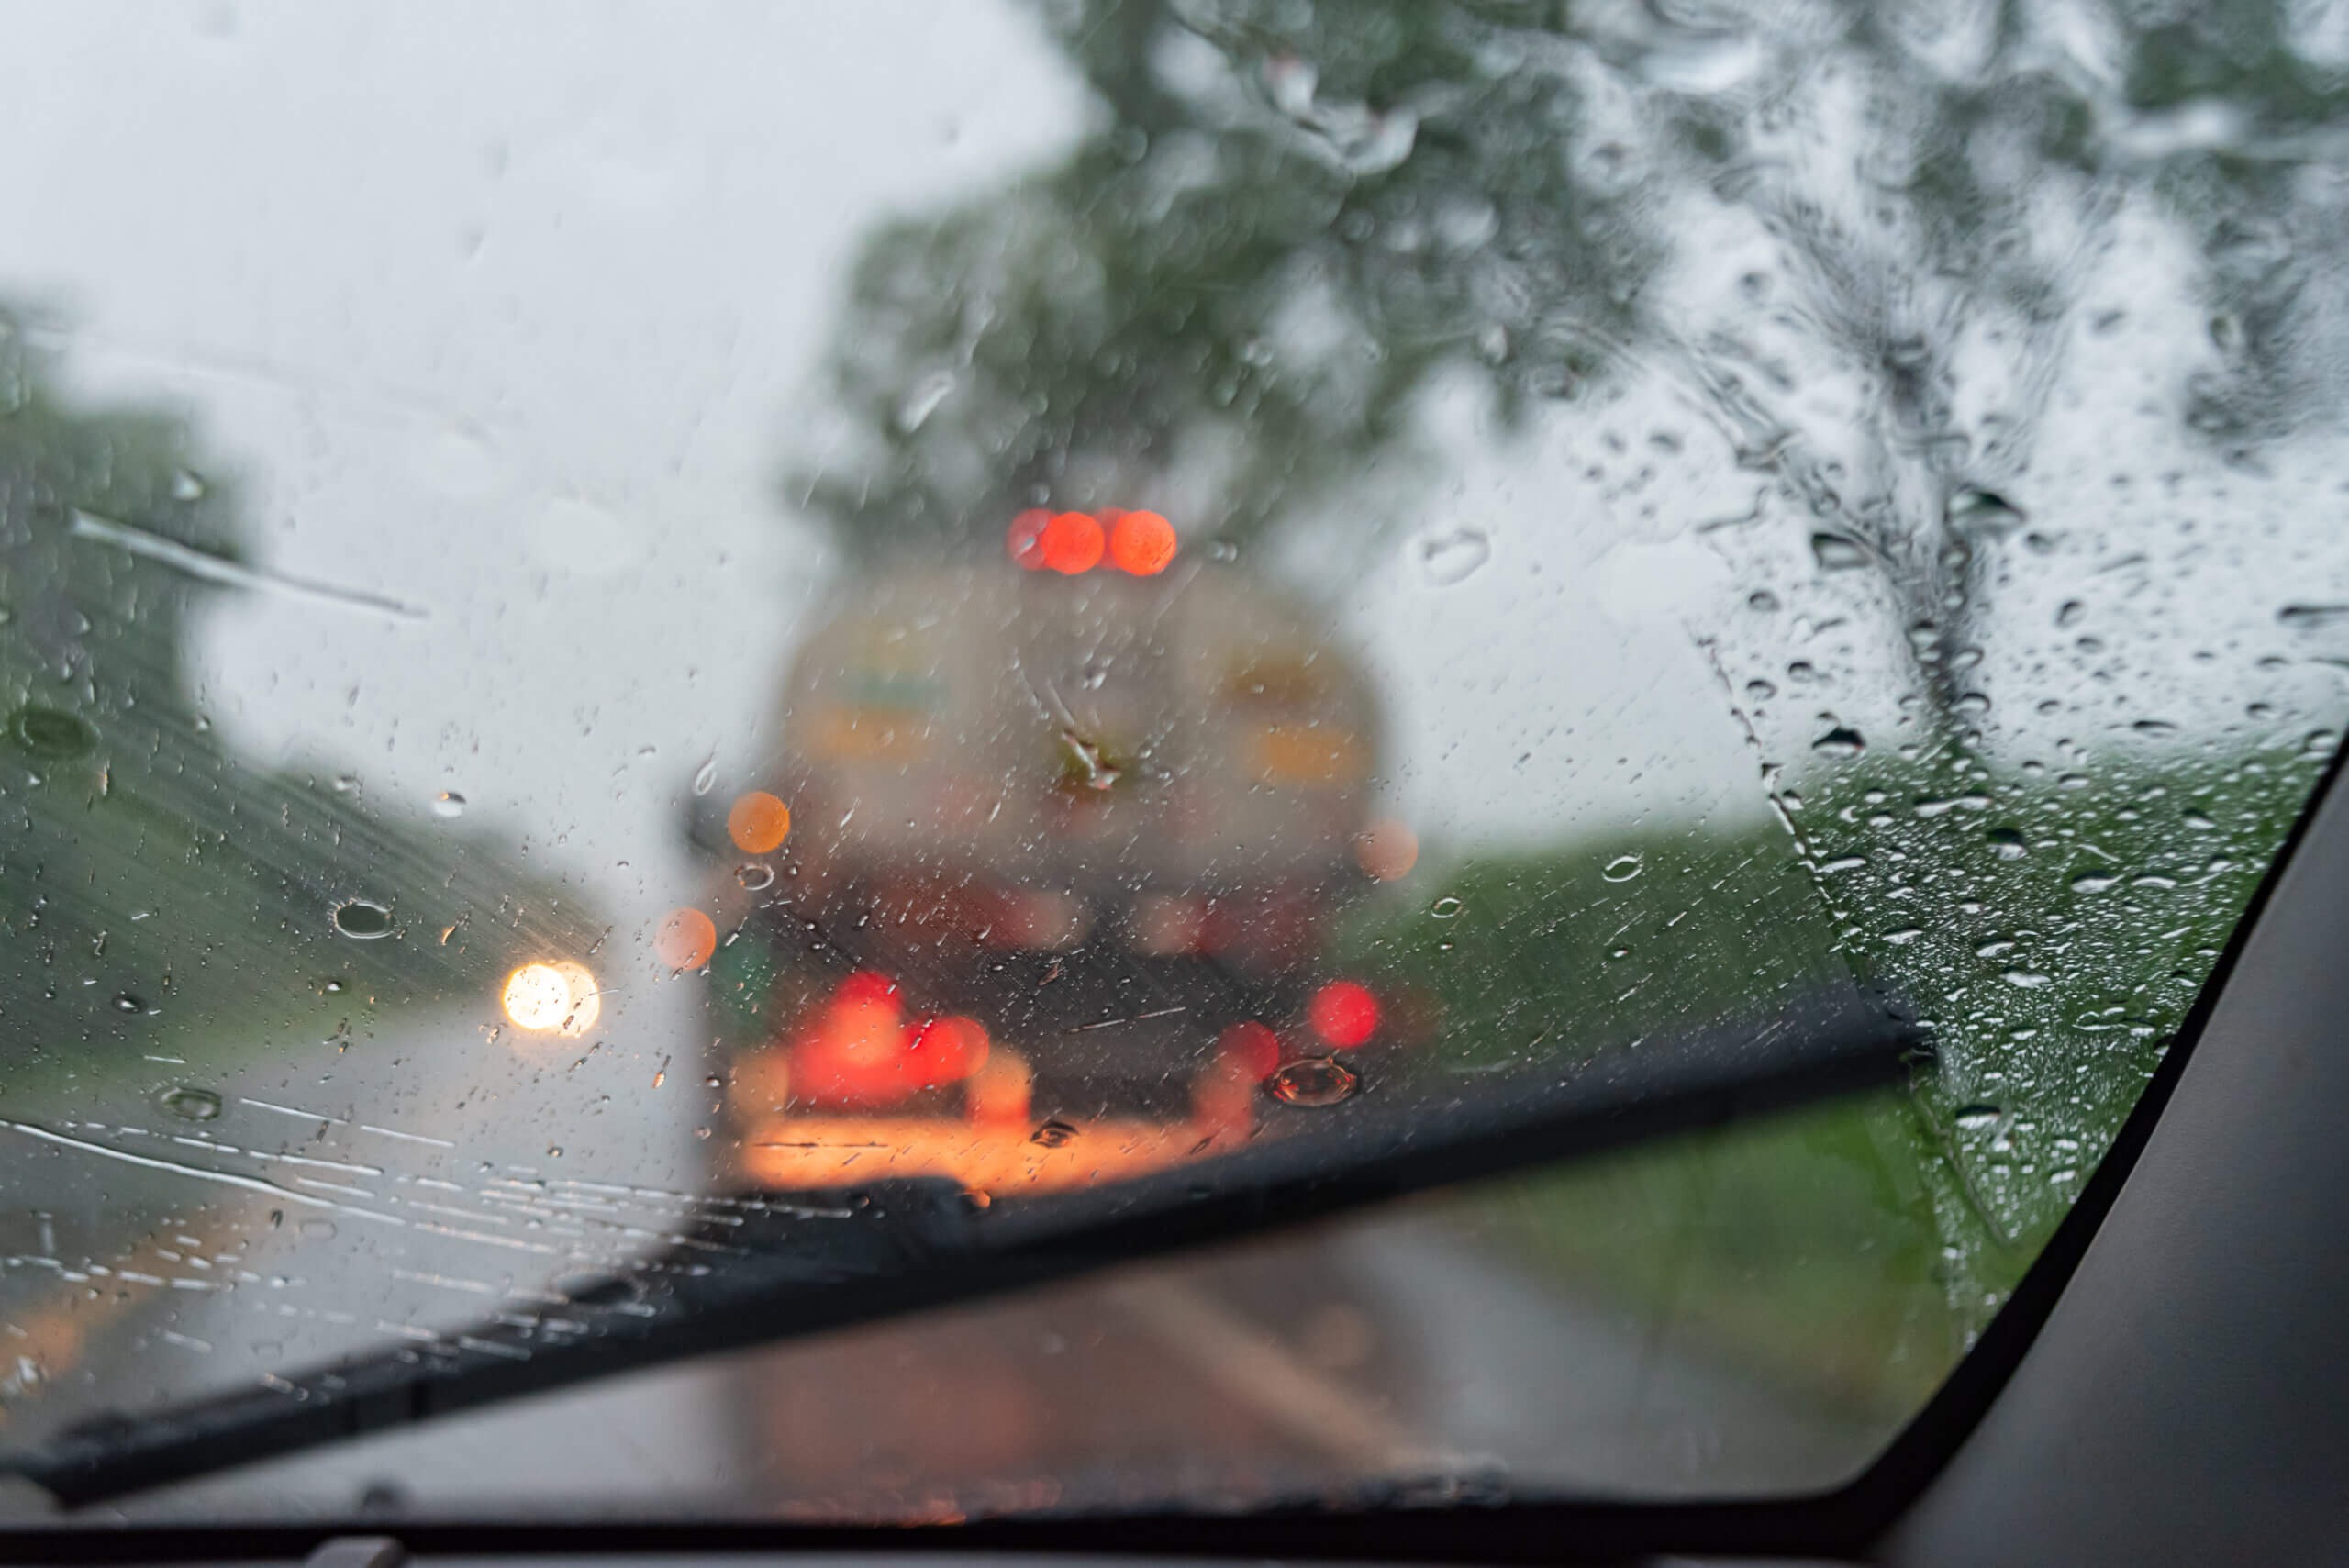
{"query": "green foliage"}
pixel 1246 273
pixel 2053 930
pixel 153 886
pixel 1549 954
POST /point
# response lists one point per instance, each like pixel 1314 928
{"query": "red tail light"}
pixel 1344 1013
pixel 859 1049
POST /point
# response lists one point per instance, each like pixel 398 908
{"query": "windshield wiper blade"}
pixel 781 1268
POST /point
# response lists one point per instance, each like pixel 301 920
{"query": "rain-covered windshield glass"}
pixel 634 640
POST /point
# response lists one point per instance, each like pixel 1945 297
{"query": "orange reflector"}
pixel 686 940
pixel 1344 1013
pixel 1386 850
pixel 1071 543
pixel 1141 543
pixel 758 823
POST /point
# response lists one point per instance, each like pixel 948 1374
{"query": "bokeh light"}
pixel 758 823
pixel 686 940
pixel 1025 539
pixel 554 995
pixel 1344 1013
pixel 1071 543
pixel 1386 850
pixel 1141 543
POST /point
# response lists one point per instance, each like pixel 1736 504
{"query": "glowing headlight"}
pixel 554 995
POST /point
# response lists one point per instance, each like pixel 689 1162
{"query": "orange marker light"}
pixel 1386 850
pixel 1344 1013
pixel 758 823
pixel 1025 541
pixel 1071 543
pixel 1141 543
pixel 686 940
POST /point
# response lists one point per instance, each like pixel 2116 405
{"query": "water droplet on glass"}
pixel 2007 843
pixel 1983 513
pixel 707 774
pixel 1840 742
pixel 1760 691
pixel 1975 1117
pixel 362 919
pixel 1622 868
pixel 52 733
pixel 2308 617
pixel 345 783
pixel 1053 1134
pixel 1313 1082
pixel 1835 554
pixel 318 1229
pixel 448 803
pixel 1379 144
pixel 1446 907
pixel 1089 764
pixel 187 486
pixel 1762 600
pixel 2030 980
pixel 192 1104
pixel 1454 557
pixel 922 400
pixel 2094 881
pixel 754 877
pixel 127 1002
pixel 1223 550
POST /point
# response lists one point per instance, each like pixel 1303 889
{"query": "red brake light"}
pixel 1071 543
pixel 1141 543
pixel 1343 1013
pixel 864 988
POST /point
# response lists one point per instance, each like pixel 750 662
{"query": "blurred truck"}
pixel 1033 888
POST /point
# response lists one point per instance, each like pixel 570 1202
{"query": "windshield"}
pixel 632 649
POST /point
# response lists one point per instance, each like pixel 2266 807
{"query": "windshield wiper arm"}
pixel 777 1269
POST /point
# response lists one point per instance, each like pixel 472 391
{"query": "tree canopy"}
pixel 1285 220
